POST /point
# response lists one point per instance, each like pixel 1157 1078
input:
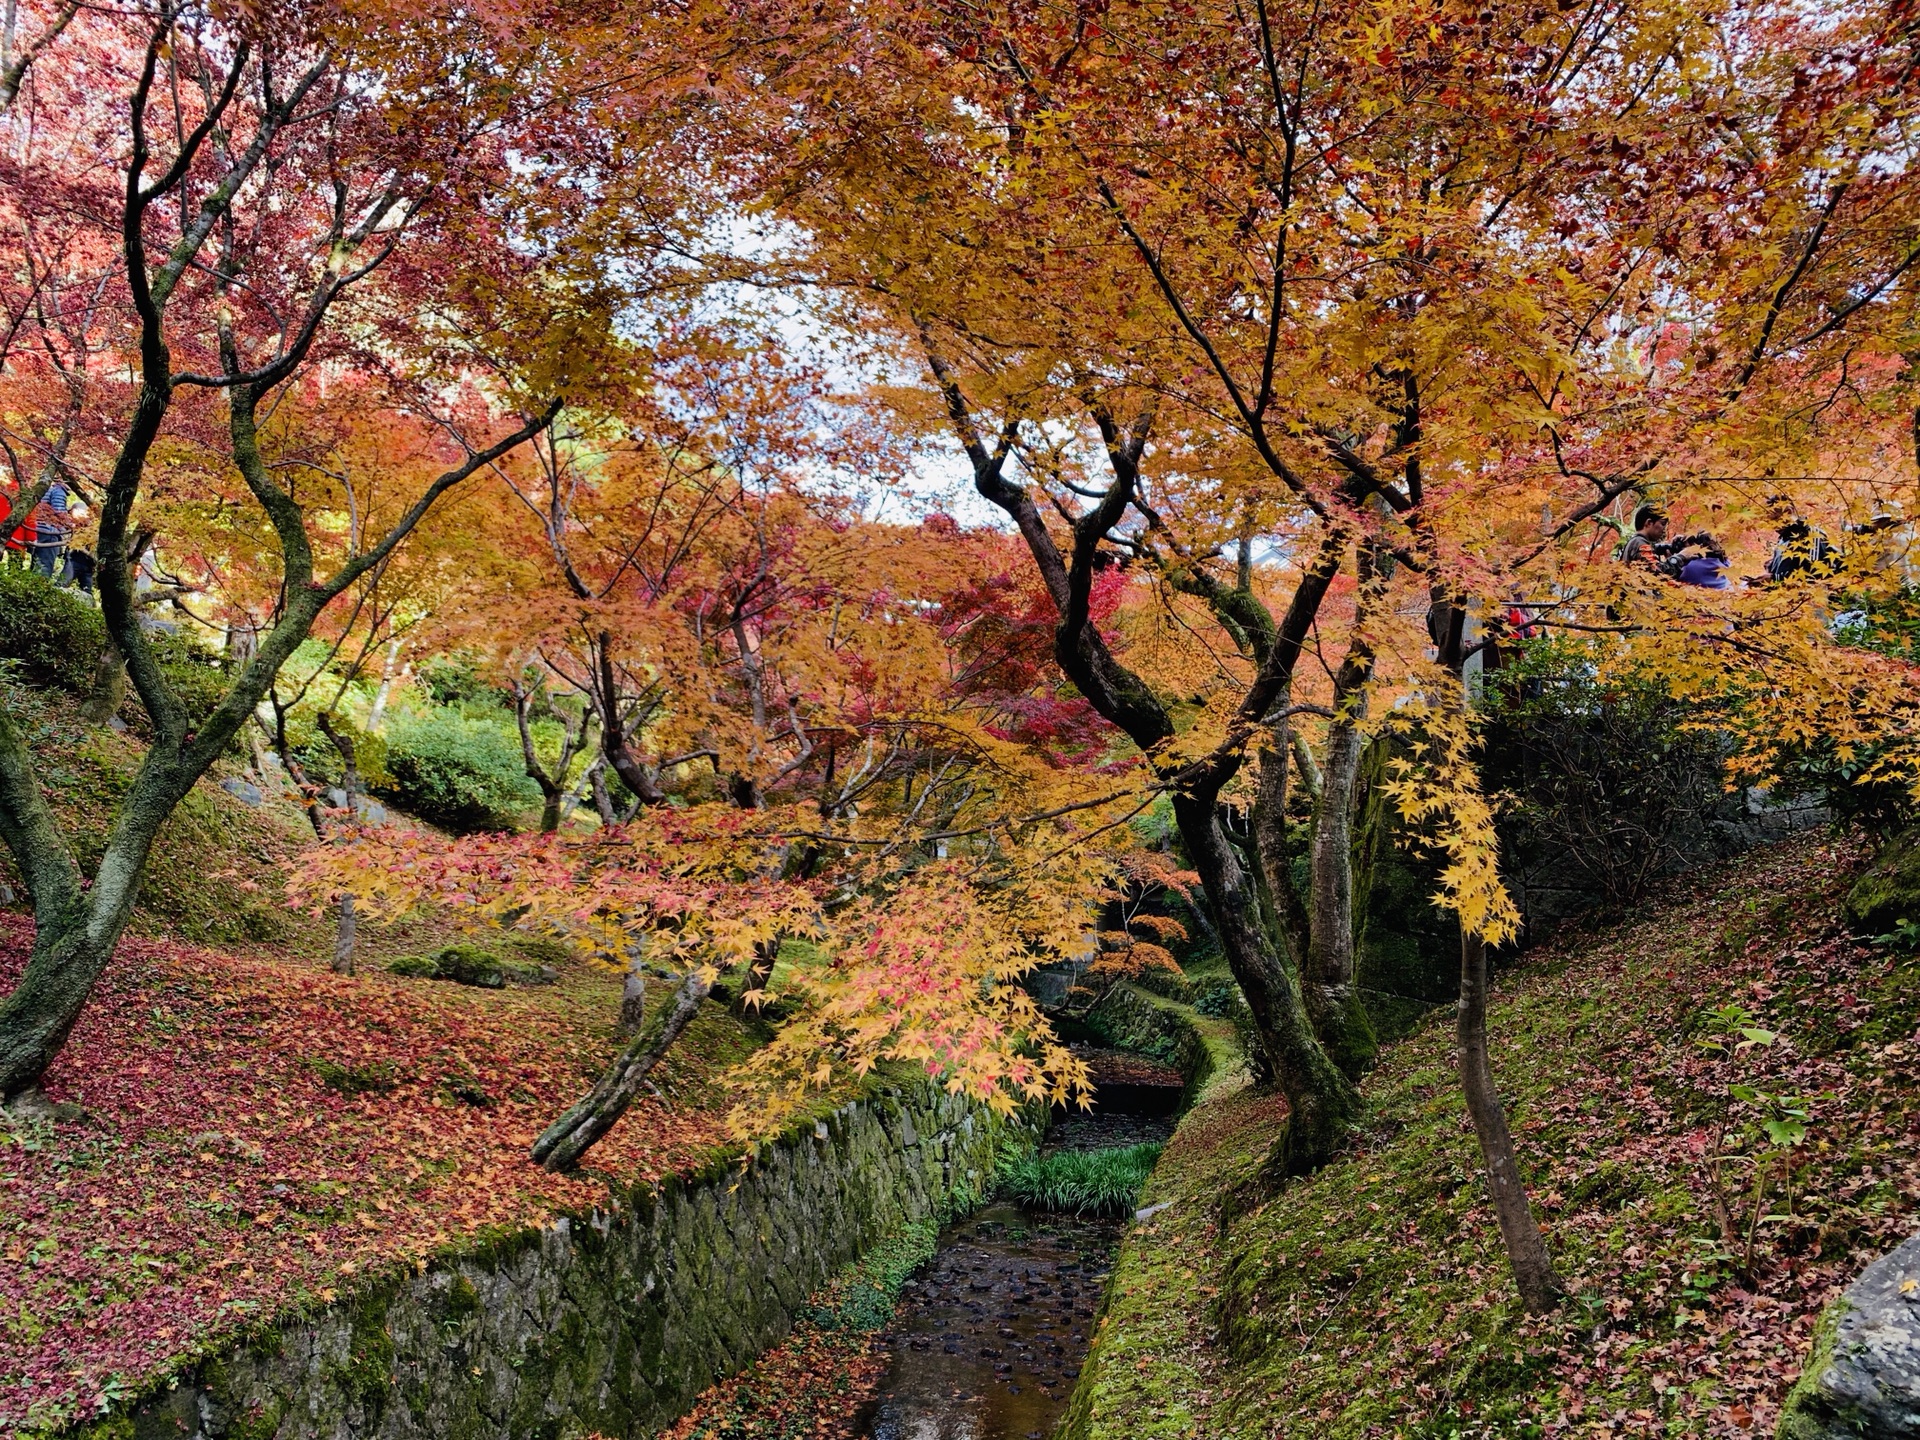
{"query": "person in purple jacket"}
pixel 1708 570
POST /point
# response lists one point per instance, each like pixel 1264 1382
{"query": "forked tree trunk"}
pixel 1532 1268
pixel 576 1132
pixel 1324 1103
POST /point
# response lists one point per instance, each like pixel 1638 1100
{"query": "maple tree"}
pixel 240 207
pixel 861 759
pixel 1426 291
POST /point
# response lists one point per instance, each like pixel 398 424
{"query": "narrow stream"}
pixel 990 1337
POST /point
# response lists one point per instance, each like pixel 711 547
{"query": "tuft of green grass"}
pixel 1083 1182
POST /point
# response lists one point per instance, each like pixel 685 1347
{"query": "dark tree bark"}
pixel 576 1132
pixel 346 931
pixel 578 737
pixel 1323 1101
pixel 78 923
pixel 1533 1272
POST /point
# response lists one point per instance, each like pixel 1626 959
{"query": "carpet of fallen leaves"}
pixel 1125 1067
pixel 815 1385
pixel 1373 1300
pixel 259 1132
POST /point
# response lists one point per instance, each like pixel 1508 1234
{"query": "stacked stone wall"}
pixel 607 1323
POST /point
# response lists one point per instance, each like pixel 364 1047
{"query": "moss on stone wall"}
pixel 611 1321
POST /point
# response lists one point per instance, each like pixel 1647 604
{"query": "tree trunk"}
pixel 1332 1000
pixel 1532 1268
pixel 378 714
pixel 346 931
pixel 1273 853
pixel 633 992
pixel 68 957
pixel 1324 1103
pixel 575 1132
pixel 344 936
pixel 602 797
pixel 109 688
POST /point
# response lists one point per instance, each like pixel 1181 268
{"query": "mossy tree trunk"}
pixel 1323 1101
pixel 78 920
pixel 1332 997
pixel 565 1141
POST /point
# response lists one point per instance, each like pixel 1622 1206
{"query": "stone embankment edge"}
pixel 1862 1381
pixel 609 1322
pixel 1142 1375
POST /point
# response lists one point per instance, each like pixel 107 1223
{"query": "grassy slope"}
pixel 1372 1299
pixel 221 1172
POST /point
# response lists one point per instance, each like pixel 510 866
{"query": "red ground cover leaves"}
pixel 1681 1330
pixel 217 1176
pixel 1402 1315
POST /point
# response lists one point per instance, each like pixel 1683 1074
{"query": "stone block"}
pixel 1863 1381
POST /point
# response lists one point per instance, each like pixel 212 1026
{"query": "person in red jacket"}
pixel 19 539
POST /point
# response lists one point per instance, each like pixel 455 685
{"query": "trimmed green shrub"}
pixel 1084 1182
pixel 56 637
pixel 456 771
pixel 471 965
pixel 53 635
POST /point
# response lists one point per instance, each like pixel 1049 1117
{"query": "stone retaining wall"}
pixel 607 1323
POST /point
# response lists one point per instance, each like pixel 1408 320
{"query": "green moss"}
pixel 462 1299
pixel 1889 891
pixel 1808 1414
pixel 256 1422
pixel 368 1372
pixel 375 1077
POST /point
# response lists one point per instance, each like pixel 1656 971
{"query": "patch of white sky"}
pixel 823 333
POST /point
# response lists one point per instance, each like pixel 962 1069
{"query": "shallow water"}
pixel 989 1337
pixel 991 1334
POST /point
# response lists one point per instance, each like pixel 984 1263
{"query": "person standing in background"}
pixel 52 523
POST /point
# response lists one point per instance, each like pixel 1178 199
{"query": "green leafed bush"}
pixel 1083 1182
pixel 458 771
pixel 52 634
pixel 55 639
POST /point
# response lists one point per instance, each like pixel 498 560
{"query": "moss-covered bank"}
pixel 1148 1355
pixel 609 1322
pixel 1371 1299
